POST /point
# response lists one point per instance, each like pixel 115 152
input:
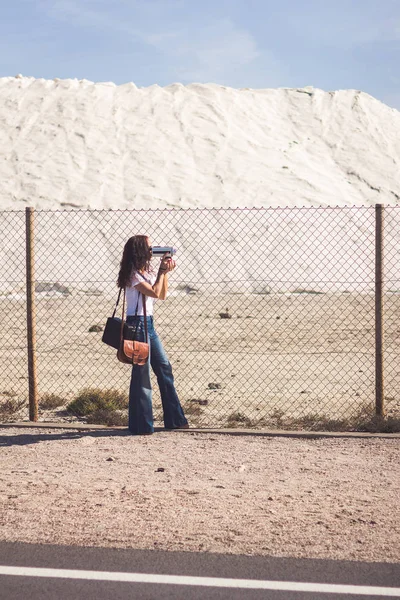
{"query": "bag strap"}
pixel 144 311
pixel 121 335
pixel 119 296
pixel 145 318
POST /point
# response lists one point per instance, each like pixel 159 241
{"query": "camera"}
pixel 161 250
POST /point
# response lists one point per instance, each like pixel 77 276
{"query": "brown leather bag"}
pixel 131 351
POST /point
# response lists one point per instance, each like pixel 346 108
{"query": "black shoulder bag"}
pixel 119 335
pixel 112 331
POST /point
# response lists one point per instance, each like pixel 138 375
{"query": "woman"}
pixel 138 277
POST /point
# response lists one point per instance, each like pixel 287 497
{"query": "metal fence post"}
pixel 31 314
pixel 379 400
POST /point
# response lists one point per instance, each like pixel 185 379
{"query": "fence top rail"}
pixel 204 209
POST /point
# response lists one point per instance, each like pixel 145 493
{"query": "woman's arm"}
pixel 160 287
pixel 164 290
pixel 154 291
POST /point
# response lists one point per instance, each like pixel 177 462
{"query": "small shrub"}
pixel 237 417
pixel 201 402
pixel 111 418
pixel 366 420
pixel 91 400
pixel 193 409
pixel 314 422
pixel 10 407
pixel 386 424
pixel 51 401
pixel 95 328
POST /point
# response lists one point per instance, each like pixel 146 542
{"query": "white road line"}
pixel 251 584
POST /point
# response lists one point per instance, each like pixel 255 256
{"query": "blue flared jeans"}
pixel 140 393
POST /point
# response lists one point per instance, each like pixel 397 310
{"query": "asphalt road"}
pixel 156 575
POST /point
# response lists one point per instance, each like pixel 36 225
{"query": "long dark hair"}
pixel 136 257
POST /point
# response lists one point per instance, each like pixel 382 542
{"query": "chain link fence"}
pixel 270 319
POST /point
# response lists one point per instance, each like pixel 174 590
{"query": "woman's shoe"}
pixel 185 426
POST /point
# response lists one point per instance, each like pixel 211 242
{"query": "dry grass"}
pixel 102 407
pixel 364 420
pixel 91 400
pixel 10 407
pixel 109 407
pixel 238 418
pixel 51 401
pixel 192 409
pixel 111 418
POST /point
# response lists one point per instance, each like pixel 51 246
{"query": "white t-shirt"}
pixel 132 295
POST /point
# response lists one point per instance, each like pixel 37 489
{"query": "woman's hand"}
pixel 167 264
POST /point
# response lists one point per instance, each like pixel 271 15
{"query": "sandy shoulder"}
pixel 327 498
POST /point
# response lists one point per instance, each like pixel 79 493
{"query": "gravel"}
pixel 322 498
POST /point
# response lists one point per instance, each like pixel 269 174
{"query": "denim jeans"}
pixel 140 404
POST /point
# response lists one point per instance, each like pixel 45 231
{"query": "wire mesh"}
pixel 13 339
pixel 391 332
pixel 269 320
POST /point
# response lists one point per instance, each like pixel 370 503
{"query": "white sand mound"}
pixel 78 144
pixel 75 143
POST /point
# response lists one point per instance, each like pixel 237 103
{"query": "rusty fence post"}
pixel 379 400
pixel 31 314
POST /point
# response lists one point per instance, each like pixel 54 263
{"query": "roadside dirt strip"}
pixel 316 498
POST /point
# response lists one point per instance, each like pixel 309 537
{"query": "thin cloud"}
pixel 218 51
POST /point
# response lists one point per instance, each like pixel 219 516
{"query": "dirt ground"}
pixel 277 356
pixel 326 498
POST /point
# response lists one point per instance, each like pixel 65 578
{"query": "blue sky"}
pixel 240 43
